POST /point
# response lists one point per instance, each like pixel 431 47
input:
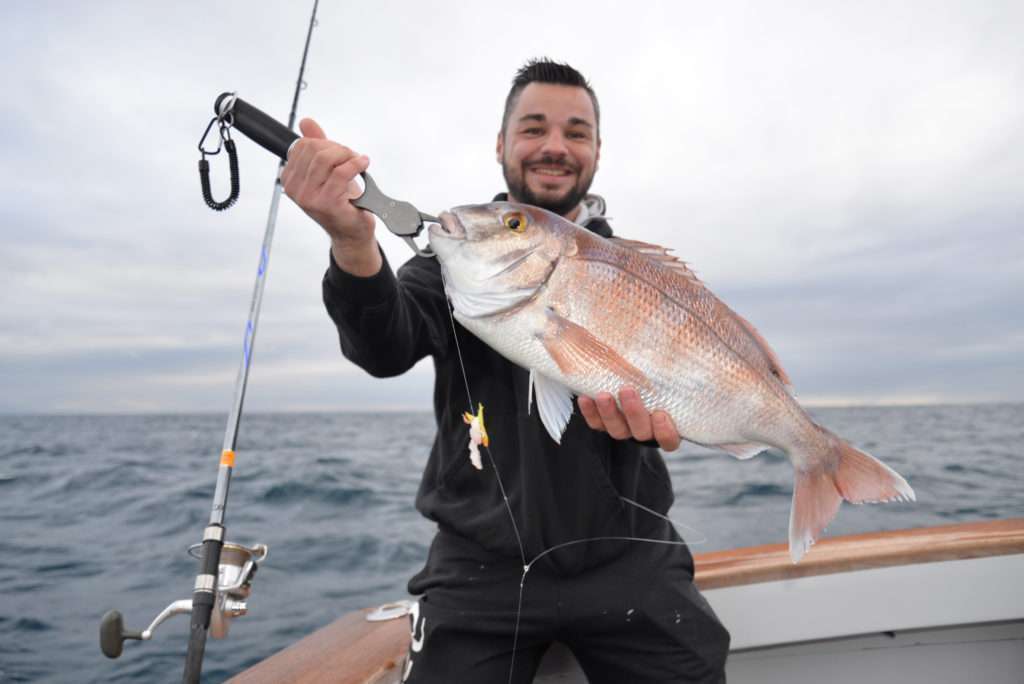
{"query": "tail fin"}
pixel 847 474
pixel 815 502
pixel 861 478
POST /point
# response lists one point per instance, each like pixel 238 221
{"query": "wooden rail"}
pixel 351 650
pixel 771 562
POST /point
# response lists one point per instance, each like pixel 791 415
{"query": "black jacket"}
pixel 557 493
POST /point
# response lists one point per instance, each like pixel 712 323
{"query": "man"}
pixel 627 609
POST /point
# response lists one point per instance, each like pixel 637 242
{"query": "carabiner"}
pixel 206 133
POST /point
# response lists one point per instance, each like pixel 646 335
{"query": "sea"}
pixel 97 513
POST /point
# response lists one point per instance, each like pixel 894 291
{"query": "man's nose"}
pixel 554 144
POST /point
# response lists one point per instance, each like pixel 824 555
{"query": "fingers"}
pixel 310 164
pixel 636 415
pixel 298 155
pixel 329 158
pixel 313 152
pixel 632 420
pixel 311 129
pixel 589 410
pixel 339 181
pixel 321 170
pixel 614 422
pixel 665 431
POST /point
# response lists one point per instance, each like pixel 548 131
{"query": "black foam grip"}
pixel 202 608
pixel 263 130
pixel 196 650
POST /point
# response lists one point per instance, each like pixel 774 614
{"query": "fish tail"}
pixel 862 478
pixel 815 502
pixel 847 473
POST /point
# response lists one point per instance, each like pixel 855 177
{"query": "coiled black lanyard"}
pixel 224 141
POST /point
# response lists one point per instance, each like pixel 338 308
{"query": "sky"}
pixel 847 176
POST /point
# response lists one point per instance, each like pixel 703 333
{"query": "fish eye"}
pixel 515 221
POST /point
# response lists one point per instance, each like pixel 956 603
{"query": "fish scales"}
pixel 646 310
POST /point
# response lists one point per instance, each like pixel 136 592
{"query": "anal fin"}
pixel 743 450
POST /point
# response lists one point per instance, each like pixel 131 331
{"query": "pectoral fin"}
pixel 576 351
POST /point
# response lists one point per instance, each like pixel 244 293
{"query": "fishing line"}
pixel 469 396
pixel 515 528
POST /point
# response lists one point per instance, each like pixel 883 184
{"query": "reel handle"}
pixel 261 128
pixel 113 634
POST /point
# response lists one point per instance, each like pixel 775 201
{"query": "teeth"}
pixel 551 172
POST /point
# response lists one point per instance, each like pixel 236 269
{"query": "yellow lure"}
pixel 477 435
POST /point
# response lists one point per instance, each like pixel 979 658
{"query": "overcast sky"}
pixel 848 176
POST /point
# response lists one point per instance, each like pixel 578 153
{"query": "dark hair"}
pixel 544 70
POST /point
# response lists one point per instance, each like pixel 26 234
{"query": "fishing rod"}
pixel 226 570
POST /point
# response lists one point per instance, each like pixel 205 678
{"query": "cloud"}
pixel 845 175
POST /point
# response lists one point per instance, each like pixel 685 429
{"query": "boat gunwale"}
pixel 771 562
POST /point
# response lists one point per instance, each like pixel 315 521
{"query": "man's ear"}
pixel 499 148
pixel 597 154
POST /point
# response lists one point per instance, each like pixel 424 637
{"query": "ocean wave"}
pixel 27 624
pixel 759 490
pixel 293 491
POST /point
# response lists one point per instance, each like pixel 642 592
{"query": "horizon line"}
pixel 363 410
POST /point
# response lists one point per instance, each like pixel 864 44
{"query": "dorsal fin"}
pixel 773 360
pixel 659 254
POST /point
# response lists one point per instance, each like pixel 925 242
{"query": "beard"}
pixel 561 205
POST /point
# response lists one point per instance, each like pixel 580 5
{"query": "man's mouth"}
pixel 552 171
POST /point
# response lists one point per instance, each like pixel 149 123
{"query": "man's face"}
pixel 550 147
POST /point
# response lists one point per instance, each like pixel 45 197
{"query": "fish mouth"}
pixel 450 227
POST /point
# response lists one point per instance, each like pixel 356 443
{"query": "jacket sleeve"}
pixel 386 323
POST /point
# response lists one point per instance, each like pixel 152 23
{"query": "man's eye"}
pixel 533 131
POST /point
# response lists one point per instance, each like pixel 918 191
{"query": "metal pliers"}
pixel 401 218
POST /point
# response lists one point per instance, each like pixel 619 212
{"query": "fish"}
pixel 587 314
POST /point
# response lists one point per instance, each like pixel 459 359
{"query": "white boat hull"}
pixel 959 621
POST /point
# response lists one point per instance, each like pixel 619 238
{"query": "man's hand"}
pixel 602 413
pixel 320 178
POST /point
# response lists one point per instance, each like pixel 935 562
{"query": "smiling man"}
pixel 627 609
pixel 548 146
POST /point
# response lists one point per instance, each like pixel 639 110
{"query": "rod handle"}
pixel 258 126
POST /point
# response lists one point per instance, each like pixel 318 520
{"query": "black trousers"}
pixel 635 620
